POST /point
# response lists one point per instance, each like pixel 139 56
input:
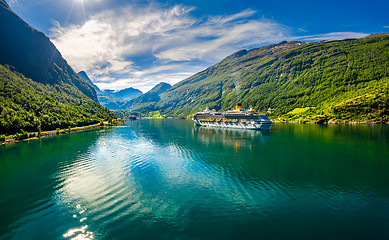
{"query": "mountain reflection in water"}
pixel 166 179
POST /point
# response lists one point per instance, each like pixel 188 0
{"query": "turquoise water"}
pixel 166 179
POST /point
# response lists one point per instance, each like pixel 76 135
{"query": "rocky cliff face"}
pixel 31 53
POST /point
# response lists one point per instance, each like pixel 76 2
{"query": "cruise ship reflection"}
pixel 236 138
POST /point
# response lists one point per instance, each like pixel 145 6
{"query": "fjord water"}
pixel 166 179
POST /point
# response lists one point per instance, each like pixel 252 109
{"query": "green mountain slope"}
pixel 31 53
pixel 29 105
pixel 160 88
pixel 147 101
pixel 288 76
pixel 38 89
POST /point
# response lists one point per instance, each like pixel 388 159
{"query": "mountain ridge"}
pixel 127 94
pixel 279 78
pixel 115 100
pixel 147 101
pixel 85 77
pixel 38 89
pixel 31 53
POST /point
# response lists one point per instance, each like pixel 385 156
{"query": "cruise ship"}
pixel 238 118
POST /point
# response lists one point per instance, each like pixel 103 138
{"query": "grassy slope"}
pixel 29 105
pixel 286 76
pixel 146 102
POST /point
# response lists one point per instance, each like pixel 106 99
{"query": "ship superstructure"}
pixel 238 118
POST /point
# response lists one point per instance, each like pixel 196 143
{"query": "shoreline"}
pixel 98 125
pixel 298 122
pixel 55 132
pixel 331 122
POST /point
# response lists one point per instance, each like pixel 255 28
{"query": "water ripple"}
pixel 153 179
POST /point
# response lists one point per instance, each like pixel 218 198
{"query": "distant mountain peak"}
pixel 114 99
pixel 149 99
pixel 160 88
pixel 127 93
pixel 85 77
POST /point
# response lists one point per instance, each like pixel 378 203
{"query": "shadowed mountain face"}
pixel 4 4
pixel 38 90
pixel 31 53
pixel 86 78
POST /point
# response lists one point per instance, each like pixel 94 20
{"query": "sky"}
pixel 131 43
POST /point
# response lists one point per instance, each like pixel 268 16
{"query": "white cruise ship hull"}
pixel 237 125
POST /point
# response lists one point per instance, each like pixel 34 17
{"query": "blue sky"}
pixel 122 43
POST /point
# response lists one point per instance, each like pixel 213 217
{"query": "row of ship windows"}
pixel 230 122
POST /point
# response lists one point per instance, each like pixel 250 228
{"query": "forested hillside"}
pixel 38 89
pixel 31 53
pixel 31 106
pixel 321 80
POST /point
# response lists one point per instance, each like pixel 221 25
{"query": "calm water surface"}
pixel 166 179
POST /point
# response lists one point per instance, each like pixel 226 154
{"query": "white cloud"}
pixel 108 45
pixel 386 26
pixel 224 39
pixel 331 36
pixel 13 2
pixel 141 46
pixel 145 82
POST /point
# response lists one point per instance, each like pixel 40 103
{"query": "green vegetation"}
pixel 110 102
pixel 26 105
pixel 300 111
pixel 373 106
pixel 146 102
pixel 31 53
pixel 39 91
pixel 324 81
pixel 154 115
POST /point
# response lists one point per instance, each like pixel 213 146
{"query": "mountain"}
pixel 147 101
pixel 126 94
pixel 109 102
pixel 159 88
pixel 291 79
pixel 115 100
pixel 32 54
pixel 38 89
pixel 31 106
pixel 86 78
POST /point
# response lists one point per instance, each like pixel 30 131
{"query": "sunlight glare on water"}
pixel 79 234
